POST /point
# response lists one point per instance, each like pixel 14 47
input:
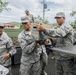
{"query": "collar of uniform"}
pixel 27 32
pixel 0 38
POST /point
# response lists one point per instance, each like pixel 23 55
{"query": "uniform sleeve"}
pixel 10 47
pixel 59 32
pixel 27 48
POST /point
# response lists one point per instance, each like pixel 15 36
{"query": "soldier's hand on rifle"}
pixel 45 43
pixel 7 56
pixel 38 41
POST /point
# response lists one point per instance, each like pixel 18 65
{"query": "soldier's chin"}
pixel 27 29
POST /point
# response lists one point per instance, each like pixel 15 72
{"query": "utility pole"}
pixel 44 7
pixel 43 11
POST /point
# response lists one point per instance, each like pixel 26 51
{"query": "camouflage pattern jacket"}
pixel 64 36
pixel 30 50
pixel 6 46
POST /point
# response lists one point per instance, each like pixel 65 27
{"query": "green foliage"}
pixel 40 18
pixel 3 6
pixel 16 23
pixel 73 14
pixel 73 24
pixel 46 22
pixel 21 27
pixel 55 24
pixel 13 34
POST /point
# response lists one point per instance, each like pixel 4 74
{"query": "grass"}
pixel 13 34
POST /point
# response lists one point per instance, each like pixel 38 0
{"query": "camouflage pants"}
pixel 33 68
pixel 10 72
pixel 65 67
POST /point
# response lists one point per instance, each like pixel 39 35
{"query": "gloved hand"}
pixel 45 43
pixel 15 42
pixel 38 41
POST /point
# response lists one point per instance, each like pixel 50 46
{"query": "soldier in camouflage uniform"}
pixel 6 48
pixel 31 50
pixel 63 37
pixel 30 16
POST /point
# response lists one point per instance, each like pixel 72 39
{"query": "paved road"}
pixel 50 69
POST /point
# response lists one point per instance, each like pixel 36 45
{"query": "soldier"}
pixel 6 48
pixel 63 37
pixel 30 16
pixel 31 50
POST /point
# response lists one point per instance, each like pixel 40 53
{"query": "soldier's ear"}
pixel 63 17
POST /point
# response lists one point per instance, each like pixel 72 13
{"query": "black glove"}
pixel 37 41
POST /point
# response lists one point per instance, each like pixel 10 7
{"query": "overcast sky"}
pixel 35 7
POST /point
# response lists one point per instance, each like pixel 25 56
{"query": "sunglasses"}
pixel 34 27
pixel 1 27
pixel 25 23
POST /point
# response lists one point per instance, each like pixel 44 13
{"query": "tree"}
pixel 73 14
pixel 46 21
pixel 40 18
pixel 3 6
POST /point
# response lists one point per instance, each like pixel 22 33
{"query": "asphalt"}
pixel 50 68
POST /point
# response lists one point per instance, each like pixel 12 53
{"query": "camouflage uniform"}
pixel 30 16
pixel 31 52
pixel 64 37
pixel 6 46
